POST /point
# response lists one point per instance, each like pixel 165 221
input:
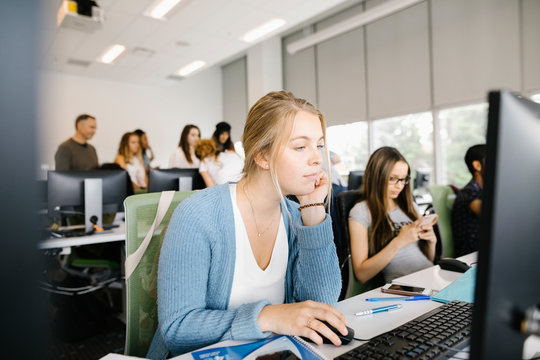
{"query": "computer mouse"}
pixel 345 339
pixel 453 265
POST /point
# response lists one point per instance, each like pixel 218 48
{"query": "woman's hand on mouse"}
pixel 303 319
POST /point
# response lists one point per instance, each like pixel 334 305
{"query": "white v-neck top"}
pixel 250 282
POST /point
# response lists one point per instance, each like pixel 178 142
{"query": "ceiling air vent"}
pixel 80 63
pixel 142 52
pixel 175 77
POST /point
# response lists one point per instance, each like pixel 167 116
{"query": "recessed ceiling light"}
pixel 112 53
pixel 191 67
pixel 262 30
pixel 160 8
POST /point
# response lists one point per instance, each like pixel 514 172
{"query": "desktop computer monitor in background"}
pixel 66 192
pixel 509 250
pixel 175 179
pixel 421 178
pixel 355 179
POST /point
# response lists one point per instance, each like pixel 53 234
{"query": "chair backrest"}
pixel 355 179
pixel 350 285
pixel 141 287
pixel 443 197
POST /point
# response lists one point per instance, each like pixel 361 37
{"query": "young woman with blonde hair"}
pixel 129 157
pixel 385 230
pixel 240 261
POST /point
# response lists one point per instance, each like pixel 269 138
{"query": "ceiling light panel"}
pixel 112 53
pixel 191 67
pixel 159 9
pixel 263 30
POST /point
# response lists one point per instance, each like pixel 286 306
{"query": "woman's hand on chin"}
pixel 319 193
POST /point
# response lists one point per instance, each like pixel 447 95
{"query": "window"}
pixel 350 142
pixel 460 128
pixel 536 98
pixel 412 135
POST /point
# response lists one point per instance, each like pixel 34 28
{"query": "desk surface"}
pixel 369 326
pixel 366 327
pixel 116 234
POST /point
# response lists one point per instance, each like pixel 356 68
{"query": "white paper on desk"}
pixel 118 357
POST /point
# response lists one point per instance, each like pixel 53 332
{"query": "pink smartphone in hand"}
pixel 428 219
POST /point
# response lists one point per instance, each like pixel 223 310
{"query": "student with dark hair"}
pixel 222 137
pixel 184 156
pixel 468 204
pixel 385 231
pixel 146 150
pixel 240 261
pixel 76 153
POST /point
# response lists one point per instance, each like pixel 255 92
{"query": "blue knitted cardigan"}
pixel 196 269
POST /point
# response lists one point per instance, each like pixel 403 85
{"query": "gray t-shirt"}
pixel 409 259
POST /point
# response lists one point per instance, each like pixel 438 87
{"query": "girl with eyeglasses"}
pixel 385 230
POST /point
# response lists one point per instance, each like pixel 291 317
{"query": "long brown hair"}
pixel 183 144
pixel 123 148
pixel 268 127
pixel 375 190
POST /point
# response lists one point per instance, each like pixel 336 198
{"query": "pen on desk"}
pixel 379 309
pixel 401 298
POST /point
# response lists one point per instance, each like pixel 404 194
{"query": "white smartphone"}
pixel 405 290
pixel 428 219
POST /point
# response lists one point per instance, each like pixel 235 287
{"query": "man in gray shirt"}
pixel 75 153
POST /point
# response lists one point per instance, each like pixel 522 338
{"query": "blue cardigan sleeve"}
pixel 313 260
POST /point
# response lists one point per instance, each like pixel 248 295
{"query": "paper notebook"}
pixel 271 348
pixel 461 289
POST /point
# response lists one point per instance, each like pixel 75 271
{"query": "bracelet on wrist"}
pixel 310 205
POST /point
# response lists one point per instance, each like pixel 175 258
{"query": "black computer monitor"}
pixel 355 179
pixel 421 178
pixel 169 179
pixel 509 249
pixel 65 191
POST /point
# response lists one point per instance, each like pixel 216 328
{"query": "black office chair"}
pixel 355 179
pixel 350 285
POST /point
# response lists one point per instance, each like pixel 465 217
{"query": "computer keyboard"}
pixel 436 334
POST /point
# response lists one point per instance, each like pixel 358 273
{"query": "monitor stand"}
pixel 185 183
pixel 93 199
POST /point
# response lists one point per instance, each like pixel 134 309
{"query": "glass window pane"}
pixel 350 142
pixel 461 128
pixel 412 135
pixel 536 98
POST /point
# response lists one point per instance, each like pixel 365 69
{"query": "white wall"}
pixel 120 107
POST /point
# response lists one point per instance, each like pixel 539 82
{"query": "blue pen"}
pixel 406 298
pixel 379 309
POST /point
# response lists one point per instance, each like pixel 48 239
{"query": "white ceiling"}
pixel 207 30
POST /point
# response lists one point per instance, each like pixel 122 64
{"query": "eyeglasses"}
pixel 394 180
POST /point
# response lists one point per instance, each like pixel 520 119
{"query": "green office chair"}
pixel 141 287
pixel 443 198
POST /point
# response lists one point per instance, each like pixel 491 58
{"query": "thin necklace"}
pixel 259 233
